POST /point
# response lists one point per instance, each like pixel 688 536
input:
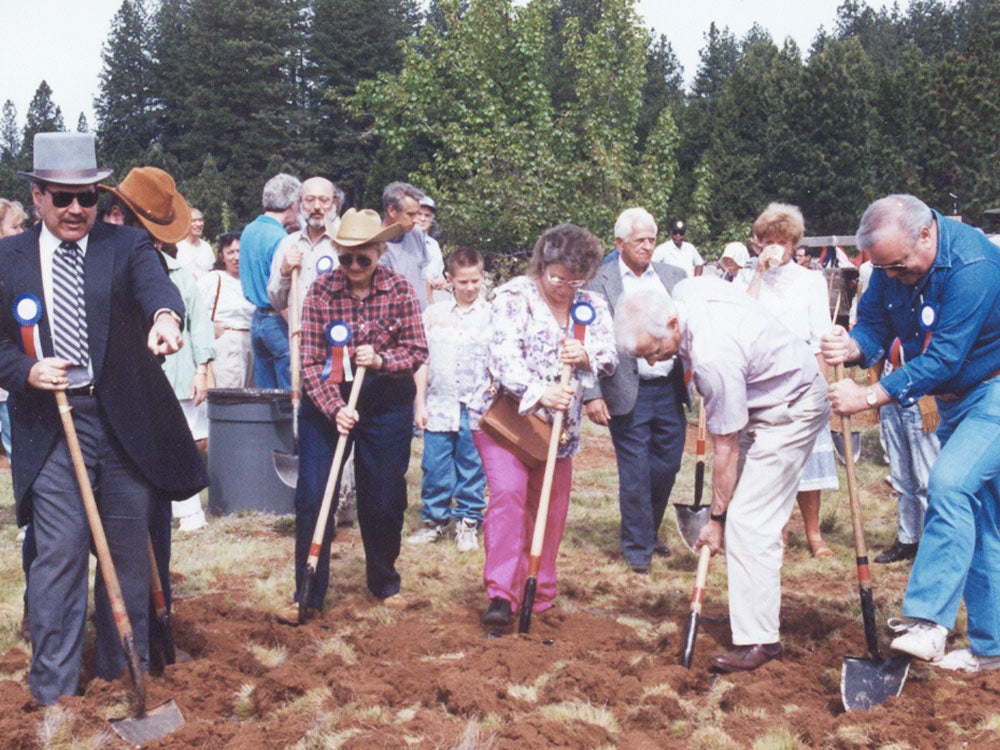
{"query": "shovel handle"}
pixel 294 336
pixel 860 547
pixel 103 553
pixel 542 516
pixel 699 467
pixel 331 480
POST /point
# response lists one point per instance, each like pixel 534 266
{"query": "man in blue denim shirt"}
pixel 935 286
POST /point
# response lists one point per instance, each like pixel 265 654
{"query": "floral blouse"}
pixel 525 341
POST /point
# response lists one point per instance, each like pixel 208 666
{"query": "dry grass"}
pixel 258 548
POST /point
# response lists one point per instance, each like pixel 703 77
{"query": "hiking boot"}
pixel 428 533
pixel 465 535
pixel 497 615
pixel 919 638
pixel 746 658
pixel 963 660
pixel 898 551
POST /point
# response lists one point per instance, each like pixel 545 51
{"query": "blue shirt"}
pixel 957 303
pixel 258 242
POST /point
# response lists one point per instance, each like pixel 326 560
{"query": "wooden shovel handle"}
pixel 102 551
pixel 538 537
pixel 331 480
pixel 295 336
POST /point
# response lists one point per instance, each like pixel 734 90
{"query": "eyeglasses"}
pixel 64 198
pixel 347 259
pixel 556 281
pixel 896 267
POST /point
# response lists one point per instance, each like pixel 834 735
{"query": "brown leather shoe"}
pixel 290 615
pixel 746 658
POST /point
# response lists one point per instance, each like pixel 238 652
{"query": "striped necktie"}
pixel 69 318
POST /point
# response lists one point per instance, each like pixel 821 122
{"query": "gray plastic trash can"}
pixel 245 427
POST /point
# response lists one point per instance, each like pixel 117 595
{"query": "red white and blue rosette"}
pixel 27 312
pixel 338 364
pixel 583 314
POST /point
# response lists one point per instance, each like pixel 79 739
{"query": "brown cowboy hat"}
pixel 364 227
pixel 152 194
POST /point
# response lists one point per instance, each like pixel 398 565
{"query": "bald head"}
pixel 317 203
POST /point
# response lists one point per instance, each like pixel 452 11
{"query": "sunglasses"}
pixel 347 259
pixel 64 198
pixel 897 267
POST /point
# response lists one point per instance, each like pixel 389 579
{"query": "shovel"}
pixel 691 518
pixel 697 597
pixel 160 607
pixel 542 516
pixel 866 682
pixel 286 465
pixel 324 508
pixel 143 725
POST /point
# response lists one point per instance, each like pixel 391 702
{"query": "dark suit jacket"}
pixel 620 390
pixel 124 286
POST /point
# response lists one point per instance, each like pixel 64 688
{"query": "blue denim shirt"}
pixel 957 302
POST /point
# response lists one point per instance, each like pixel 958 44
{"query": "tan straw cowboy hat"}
pixel 364 227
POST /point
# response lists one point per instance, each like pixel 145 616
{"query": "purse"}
pixel 527 437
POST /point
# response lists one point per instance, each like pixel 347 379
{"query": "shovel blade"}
pixel 870 682
pixel 690 521
pixel 286 465
pixel 155 724
pixel 838 445
pixel 690 634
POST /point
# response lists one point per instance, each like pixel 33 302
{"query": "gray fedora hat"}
pixel 66 159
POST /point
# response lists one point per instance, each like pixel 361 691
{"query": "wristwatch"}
pixel 871 398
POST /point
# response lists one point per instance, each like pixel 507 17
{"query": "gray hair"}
pixel 642 311
pixel 395 192
pixel 902 211
pixel 627 220
pixel 280 192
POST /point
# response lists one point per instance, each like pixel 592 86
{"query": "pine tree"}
pixel 82 126
pixel 43 117
pixel 10 135
pixel 124 106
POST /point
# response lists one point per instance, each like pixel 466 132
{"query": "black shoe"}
pixel 497 615
pixel 898 551
pixel 660 548
pixel 642 570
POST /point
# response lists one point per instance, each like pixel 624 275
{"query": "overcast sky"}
pixel 60 42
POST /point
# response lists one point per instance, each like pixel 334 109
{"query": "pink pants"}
pixel 510 523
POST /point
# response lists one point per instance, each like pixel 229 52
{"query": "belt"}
pixel 654 381
pixel 241 330
pixel 958 395
pixel 83 390
pixel 265 310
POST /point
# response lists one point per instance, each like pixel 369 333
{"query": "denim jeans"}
pixel 648 442
pixel 269 340
pixel 911 453
pixel 452 469
pixel 959 554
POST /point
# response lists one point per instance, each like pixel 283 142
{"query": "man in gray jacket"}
pixel 641 404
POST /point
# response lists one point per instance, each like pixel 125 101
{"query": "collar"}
pixel 50 242
pixel 624 270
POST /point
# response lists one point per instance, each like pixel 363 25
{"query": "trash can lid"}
pixel 248 395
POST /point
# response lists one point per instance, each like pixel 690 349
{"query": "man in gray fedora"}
pixel 86 309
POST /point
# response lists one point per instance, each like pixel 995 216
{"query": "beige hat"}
pixel 364 227
pixel 152 194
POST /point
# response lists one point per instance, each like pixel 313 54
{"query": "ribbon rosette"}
pixel 324 264
pixel 583 314
pixel 27 312
pixel 338 366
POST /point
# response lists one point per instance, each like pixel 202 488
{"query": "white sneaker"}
pixel 192 522
pixel 428 533
pixel 963 660
pixel 919 638
pixel 465 535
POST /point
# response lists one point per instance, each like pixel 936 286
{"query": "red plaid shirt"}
pixel 388 319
